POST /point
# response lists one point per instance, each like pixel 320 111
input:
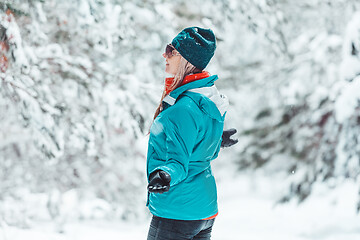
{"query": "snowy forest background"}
pixel 80 81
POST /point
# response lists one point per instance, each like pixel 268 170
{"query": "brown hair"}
pixel 185 68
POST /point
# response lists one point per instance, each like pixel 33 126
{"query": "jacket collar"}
pixel 205 82
pixel 187 79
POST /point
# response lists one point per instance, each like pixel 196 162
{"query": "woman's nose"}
pixel 164 55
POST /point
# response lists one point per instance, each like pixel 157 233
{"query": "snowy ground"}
pixel 246 211
pixel 251 213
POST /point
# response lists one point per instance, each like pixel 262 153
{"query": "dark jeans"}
pixel 170 229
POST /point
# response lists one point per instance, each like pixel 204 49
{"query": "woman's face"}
pixel 172 58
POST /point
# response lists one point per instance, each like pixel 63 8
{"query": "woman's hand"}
pixel 226 140
pixel 159 182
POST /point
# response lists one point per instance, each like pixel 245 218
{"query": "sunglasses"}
pixel 169 51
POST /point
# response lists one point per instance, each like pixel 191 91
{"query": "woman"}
pixel 184 137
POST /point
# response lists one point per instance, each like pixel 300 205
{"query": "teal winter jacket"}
pixel 184 138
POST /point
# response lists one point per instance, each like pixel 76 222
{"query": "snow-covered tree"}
pixel 75 103
pixel 297 118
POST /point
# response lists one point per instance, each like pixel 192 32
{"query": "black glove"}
pixel 159 182
pixel 226 140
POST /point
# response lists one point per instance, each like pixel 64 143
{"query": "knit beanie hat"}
pixel 196 45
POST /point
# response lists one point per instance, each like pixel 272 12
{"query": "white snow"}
pixel 251 212
pixel 347 101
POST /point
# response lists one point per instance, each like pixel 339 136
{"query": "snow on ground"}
pixel 79 231
pixel 247 210
pixel 250 213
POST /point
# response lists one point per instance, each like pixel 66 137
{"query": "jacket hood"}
pixel 220 100
pixel 205 94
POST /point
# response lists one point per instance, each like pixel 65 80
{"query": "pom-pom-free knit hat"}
pixel 197 45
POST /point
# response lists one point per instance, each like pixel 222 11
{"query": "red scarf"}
pixel 189 78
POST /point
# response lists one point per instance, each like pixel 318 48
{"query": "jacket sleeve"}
pixel 181 133
pixel 217 151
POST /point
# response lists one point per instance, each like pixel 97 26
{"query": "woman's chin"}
pixel 167 70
